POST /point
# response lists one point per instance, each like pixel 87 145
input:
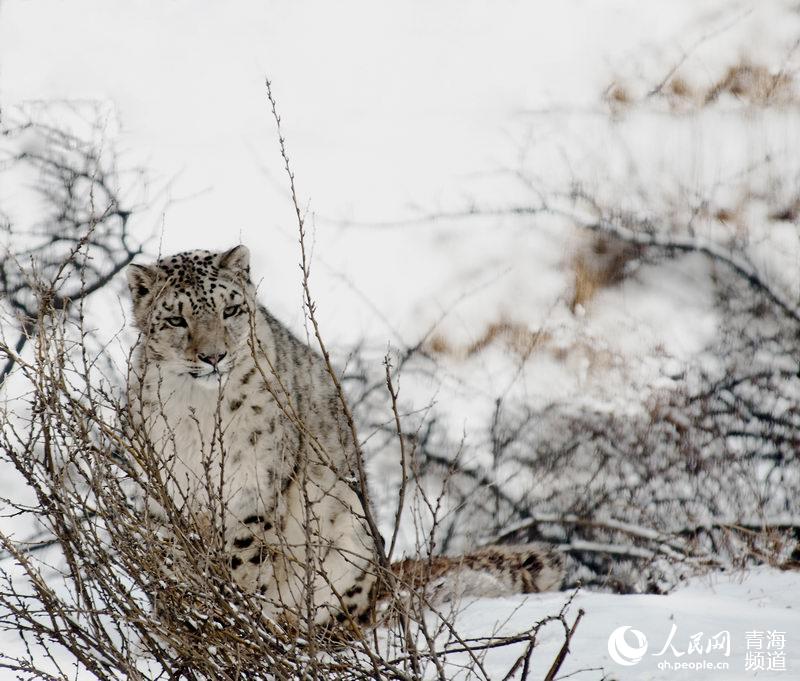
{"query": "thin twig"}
pixel 562 654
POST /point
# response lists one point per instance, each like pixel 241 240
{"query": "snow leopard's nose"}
pixel 213 360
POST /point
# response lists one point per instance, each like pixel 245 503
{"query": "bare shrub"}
pixel 108 587
pixel 82 239
pixel 700 476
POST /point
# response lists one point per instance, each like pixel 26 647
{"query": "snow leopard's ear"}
pixel 141 280
pixel 236 259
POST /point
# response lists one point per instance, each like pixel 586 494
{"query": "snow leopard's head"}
pixel 193 310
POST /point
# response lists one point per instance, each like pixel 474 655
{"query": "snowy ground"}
pixel 394 114
pixel 747 607
pixel 753 617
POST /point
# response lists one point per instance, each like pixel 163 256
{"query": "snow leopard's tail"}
pixel 491 571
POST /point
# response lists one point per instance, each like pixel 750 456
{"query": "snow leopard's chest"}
pixel 204 434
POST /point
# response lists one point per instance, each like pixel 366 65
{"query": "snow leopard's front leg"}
pixel 255 533
pixel 310 544
pixel 252 544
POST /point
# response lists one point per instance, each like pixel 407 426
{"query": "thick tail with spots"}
pixel 488 572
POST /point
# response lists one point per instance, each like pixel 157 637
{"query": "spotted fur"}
pixel 220 385
pixel 490 572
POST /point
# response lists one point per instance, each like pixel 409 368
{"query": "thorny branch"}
pixel 86 217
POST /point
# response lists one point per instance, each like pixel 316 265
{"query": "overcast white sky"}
pixel 384 105
pixel 390 110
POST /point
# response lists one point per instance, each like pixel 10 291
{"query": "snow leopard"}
pixel 234 406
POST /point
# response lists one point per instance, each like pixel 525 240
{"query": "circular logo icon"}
pixel 621 651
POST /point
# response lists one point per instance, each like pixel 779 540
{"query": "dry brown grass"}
pixel 753 84
pixel 618 94
pixel 438 345
pixel 726 215
pixel 787 213
pixel 679 87
pixel 681 95
pixel 514 336
pixel 598 264
pixel 618 98
pixel 735 216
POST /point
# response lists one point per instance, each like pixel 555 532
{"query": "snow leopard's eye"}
pixel 231 311
pixel 176 321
